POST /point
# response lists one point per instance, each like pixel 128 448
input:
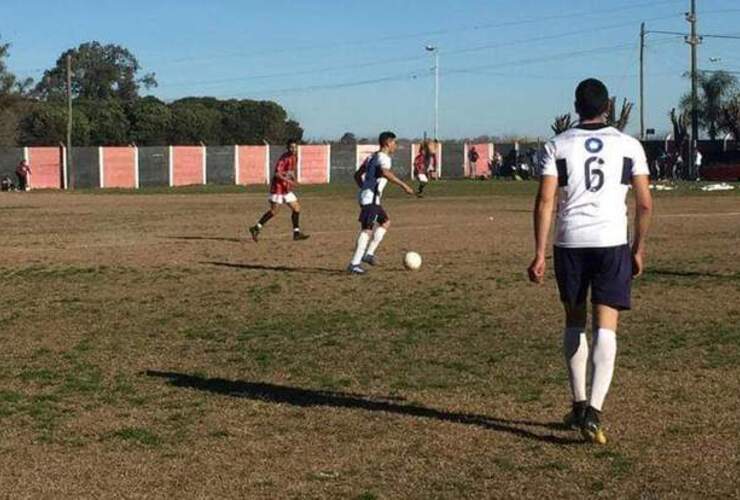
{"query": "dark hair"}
pixel 291 141
pixel 592 98
pixel 385 137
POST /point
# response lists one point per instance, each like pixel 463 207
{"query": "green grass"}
pixel 138 436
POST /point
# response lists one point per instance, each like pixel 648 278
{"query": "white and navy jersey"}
pixel 374 182
pixel 594 164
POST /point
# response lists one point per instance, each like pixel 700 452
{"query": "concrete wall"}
pixel 342 162
pixel 154 166
pixel 85 171
pixel 9 159
pixel 453 160
pixel 220 165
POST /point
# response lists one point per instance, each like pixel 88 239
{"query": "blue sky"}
pixel 506 67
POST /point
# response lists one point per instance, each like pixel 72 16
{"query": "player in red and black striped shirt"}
pixel 284 180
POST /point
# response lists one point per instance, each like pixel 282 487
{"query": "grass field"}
pixel 149 350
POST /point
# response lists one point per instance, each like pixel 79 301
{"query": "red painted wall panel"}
pixel 314 161
pixel 252 165
pixel 484 156
pixel 187 165
pixel 46 167
pixel 119 167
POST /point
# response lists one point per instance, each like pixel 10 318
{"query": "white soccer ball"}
pixel 412 261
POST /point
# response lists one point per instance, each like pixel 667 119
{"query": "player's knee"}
pixel 575 315
pixel 386 224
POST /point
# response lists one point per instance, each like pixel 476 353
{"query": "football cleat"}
pixel 574 419
pixel 298 236
pixel 255 232
pixel 352 269
pixel 591 428
pixel 370 259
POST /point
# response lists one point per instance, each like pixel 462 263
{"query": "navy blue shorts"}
pixel 371 215
pixel 607 271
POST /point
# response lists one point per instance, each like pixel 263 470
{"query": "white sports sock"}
pixel 362 240
pixel 377 238
pixel 575 348
pixel 605 353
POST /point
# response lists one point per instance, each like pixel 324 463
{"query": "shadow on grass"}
pixel 273 393
pixel 202 238
pixel 691 274
pixel 285 269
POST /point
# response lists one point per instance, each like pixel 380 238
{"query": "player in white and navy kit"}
pixel 589 169
pixel 372 178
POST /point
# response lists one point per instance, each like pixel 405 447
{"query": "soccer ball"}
pixel 412 261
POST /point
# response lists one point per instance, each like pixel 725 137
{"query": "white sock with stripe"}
pixel 575 348
pixel 362 240
pixel 605 353
pixel 375 242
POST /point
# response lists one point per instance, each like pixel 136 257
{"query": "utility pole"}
pixel 431 48
pixel 70 168
pixel 693 40
pixel 642 81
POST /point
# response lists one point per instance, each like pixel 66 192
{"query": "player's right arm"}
pixel 388 174
pixel 543 208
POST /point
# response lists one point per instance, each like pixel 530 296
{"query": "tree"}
pixel 109 125
pixel 624 115
pixel 348 138
pixel 193 122
pixel 730 119
pixel 13 100
pixel 716 89
pixel 46 125
pixel 562 123
pixel 151 120
pixel 98 72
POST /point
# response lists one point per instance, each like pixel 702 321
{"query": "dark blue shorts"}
pixel 371 215
pixel 607 271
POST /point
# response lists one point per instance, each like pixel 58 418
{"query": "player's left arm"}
pixel 388 174
pixel 643 207
pixel 643 214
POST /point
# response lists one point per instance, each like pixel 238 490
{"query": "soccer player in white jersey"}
pixel 589 169
pixel 372 178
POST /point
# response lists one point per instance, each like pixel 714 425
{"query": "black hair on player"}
pixel 385 137
pixel 592 99
pixel 291 141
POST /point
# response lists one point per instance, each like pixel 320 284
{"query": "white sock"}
pixel 605 352
pixel 575 348
pixel 377 238
pixel 362 240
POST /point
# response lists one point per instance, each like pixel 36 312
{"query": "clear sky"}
pixel 507 67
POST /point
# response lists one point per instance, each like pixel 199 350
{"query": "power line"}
pixel 407 59
pixel 425 34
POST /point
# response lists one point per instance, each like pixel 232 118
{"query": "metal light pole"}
pixel 694 40
pixel 435 50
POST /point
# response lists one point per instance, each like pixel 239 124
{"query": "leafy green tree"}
pixel 13 100
pixel 151 120
pixel 730 120
pixel 46 125
pixel 194 122
pixel 98 72
pixel 716 90
pixel 348 138
pixel 109 124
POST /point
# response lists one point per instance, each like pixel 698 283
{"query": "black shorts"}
pixel 607 271
pixel 371 215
